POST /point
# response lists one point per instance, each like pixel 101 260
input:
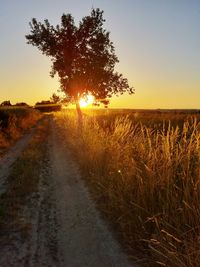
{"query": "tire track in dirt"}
pixel 44 244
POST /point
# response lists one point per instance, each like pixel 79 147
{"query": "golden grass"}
pixel 22 184
pixel 146 182
pixel 14 122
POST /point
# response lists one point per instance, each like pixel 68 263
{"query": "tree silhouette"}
pixel 21 104
pixel 6 103
pixel 55 98
pixel 83 56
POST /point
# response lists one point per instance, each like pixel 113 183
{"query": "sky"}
pixel 157 43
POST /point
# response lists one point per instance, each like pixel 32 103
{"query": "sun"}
pixel 83 103
pixel 87 100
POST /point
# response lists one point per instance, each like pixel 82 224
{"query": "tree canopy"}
pixel 83 56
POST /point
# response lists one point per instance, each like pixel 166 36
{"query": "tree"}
pixel 83 56
pixel 21 104
pixel 6 103
pixel 55 98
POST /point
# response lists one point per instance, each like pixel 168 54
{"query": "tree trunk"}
pixel 79 115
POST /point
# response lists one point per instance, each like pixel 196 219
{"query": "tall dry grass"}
pixel 146 182
pixel 14 122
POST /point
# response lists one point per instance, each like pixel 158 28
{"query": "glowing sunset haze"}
pixel 157 43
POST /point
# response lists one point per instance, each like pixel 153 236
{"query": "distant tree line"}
pixel 7 103
pixel 54 99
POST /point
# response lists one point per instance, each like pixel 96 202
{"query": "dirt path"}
pixel 67 230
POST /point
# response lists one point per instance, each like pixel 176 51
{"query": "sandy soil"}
pixel 66 229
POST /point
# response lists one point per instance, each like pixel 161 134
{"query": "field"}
pixel 143 170
pixel 14 121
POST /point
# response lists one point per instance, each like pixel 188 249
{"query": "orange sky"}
pixel 157 43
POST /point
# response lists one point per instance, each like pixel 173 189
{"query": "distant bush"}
pixel 48 107
pixel 44 102
pixel 6 103
pixel 21 104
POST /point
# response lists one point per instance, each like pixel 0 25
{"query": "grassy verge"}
pixel 14 122
pixel 145 180
pixel 22 183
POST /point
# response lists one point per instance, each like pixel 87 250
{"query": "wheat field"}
pixel 144 176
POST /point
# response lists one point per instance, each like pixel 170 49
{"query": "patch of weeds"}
pixel 22 183
pixel 14 122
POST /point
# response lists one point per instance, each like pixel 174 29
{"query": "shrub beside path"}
pixel 13 153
